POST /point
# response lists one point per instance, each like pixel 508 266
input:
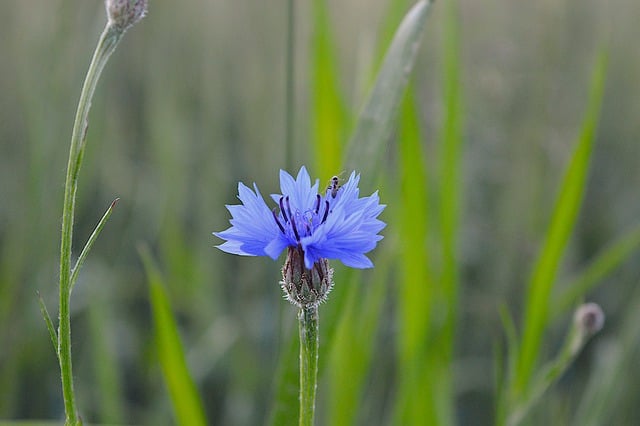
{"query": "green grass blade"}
pixel 92 239
pixel 47 319
pixel 375 123
pixel 393 16
pixel 349 354
pixel 186 402
pixel 328 120
pixel 605 263
pixel 449 221
pixel 284 411
pixel 416 290
pixel 351 346
pixel 107 381
pixel 290 84
pixel 562 223
pixel 505 371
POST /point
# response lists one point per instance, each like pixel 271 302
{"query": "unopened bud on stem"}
pixel 124 13
pixel 587 321
pixel 589 318
pixel 305 287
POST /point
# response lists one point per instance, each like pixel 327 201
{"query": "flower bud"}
pixel 124 13
pixel 305 287
pixel 589 318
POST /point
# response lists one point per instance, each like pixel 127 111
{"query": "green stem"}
pixel 308 317
pixel 548 375
pixel 106 45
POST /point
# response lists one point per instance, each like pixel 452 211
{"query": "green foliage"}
pixel 194 101
pixel 525 384
pixel 536 313
pixel 187 405
pixel 89 244
pixel 605 263
pixel 366 147
pixel 285 400
pixel 328 120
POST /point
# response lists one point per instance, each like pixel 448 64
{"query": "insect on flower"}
pixel 334 185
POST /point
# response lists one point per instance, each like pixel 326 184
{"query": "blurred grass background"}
pixel 193 101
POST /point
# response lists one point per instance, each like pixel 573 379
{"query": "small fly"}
pixel 334 186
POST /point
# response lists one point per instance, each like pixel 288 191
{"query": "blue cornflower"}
pixel 337 224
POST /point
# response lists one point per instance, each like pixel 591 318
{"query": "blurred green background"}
pixel 193 101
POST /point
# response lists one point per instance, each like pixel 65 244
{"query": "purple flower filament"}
pixel 309 218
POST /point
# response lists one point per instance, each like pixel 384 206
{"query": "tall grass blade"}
pixel 416 288
pixel 328 120
pixel 375 123
pixel 350 353
pixel 449 221
pixel 284 411
pixel 187 406
pixel 605 263
pixel 505 371
pixel 507 367
pixel 393 16
pixel 351 347
pixel 562 222
pixel 107 387
pixel 290 84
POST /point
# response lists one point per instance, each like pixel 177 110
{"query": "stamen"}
pixel 326 211
pixel 284 213
pixel 277 221
pixel 317 203
pixel 295 230
pixel 289 207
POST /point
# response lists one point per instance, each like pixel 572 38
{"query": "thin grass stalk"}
pixel 290 84
pixel 450 212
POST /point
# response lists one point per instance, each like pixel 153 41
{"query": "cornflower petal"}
pixel 253 226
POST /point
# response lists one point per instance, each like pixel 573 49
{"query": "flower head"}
pixel 122 14
pixel 589 318
pixel 334 224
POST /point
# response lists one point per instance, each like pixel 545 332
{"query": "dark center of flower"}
pixel 300 223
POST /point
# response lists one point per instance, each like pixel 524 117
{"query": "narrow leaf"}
pixel 367 145
pixel 186 402
pixel 560 229
pixel 415 291
pixel 47 320
pixel 328 118
pixel 92 239
pixel 284 411
pixel 605 263
pixel 352 344
pixel 503 363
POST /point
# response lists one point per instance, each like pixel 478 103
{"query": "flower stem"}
pixel 308 317
pixel 106 45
